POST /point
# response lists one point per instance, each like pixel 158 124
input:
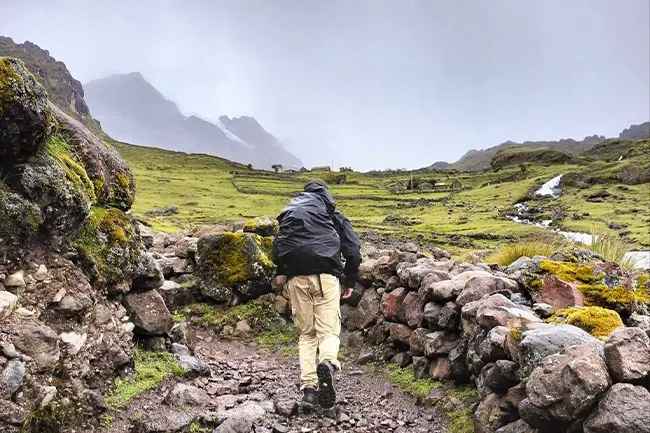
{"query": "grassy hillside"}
pixel 208 190
pixel 532 155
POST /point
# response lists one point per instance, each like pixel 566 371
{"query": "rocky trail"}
pixel 250 390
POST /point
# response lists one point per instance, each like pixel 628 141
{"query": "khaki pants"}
pixel 316 312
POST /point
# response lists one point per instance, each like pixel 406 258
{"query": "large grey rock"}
pixel 414 309
pixel 148 312
pixel 479 286
pixel 193 365
pixel 540 343
pixel 497 310
pixel 502 376
pixel 366 313
pixel 440 343
pixel 187 395
pixel 41 343
pixel 163 421
pixel 175 295
pixel 399 332
pixel 235 425
pixel 449 317
pixel 493 347
pixel 625 408
pixel 566 385
pixel 488 416
pixel 148 274
pixel 432 314
pixel 249 410
pixel 416 341
pixel 627 352
pixel 12 377
pixel 444 291
pixel 519 426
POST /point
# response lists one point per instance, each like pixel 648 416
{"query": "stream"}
pixel 640 259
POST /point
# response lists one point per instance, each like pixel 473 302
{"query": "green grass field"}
pixel 206 190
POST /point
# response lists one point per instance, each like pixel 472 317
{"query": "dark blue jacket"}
pixel 313 235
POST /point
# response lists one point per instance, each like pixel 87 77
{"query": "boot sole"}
pixel 326 391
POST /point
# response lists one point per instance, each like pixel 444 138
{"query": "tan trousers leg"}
pixel 316 313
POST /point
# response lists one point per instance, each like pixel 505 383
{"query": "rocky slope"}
pixel 132 110
pixel 62 88
pixel 68 254
pixel 480 159
pixel 543 340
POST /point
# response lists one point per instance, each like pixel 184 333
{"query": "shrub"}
pixel 507 254
pixel 611 247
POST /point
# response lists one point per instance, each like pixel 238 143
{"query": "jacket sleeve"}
pixel 350 245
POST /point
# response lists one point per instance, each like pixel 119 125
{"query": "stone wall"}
pixel 505 329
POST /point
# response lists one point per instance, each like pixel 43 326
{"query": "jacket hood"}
pixel 323 193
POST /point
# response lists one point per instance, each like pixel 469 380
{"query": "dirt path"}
pixel 248 383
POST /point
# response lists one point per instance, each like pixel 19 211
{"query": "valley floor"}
pixel 245 381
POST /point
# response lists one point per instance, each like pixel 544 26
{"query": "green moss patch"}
pixel 599 322
pixel 269 331
pixel 109 245
pixel 65 158
pixel 460 421
pixel 151 368
pixel 617 298
pixel 404 379
pixel 571 272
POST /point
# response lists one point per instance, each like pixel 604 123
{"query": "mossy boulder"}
pixel 599 322
pixel 263 226
pixel 234 266
pixel 63 199
pixel 19 219
pixel 110 175
pixel 110 249
pixel 604 285
pixel 25 118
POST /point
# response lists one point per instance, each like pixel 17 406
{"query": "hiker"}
pixel 307 249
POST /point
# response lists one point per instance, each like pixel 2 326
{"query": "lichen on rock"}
pixel 25 118
pixel 599 322
pixel 19 219
pixel 110 247
pixel 234 265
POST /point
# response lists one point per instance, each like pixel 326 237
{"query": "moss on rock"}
pixel 571 272
pixel 234 264
pixel 599 322
pixel 25 119
pixel 618 298
pixel 110 247
pixel 19 219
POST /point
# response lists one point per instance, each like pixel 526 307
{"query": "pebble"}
pixel 17 279
pixel 41 273
pixel 10 351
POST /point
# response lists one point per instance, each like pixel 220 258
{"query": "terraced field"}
pixel 210 190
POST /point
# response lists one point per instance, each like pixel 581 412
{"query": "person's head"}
pixel 315 182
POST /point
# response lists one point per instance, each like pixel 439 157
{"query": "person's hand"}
pixel 346 293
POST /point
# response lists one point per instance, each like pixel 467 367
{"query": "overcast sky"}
pixel 368 83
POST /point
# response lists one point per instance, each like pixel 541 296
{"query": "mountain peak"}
pixel 132 110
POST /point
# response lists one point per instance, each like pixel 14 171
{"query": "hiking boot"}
pixel 326 390
pixel 309 398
